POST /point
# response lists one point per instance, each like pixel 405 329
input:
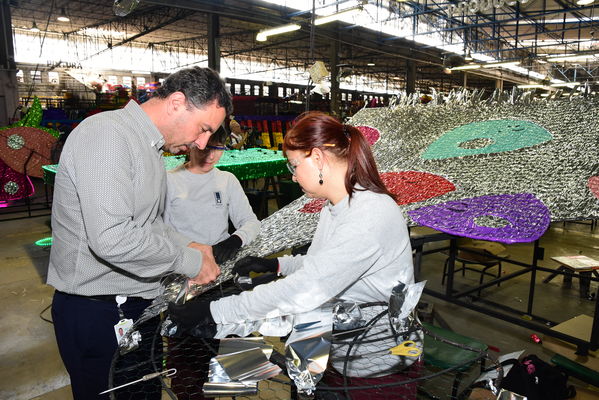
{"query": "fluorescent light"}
pixel 531 86
pixel 371 64
pixel 574 57
pixel 567 84
pixel 141 72
pixel 337 16
pixel 501 64
pixel 584 2
pixel 264 34
pixel 467 66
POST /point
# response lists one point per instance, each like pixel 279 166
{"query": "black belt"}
pixel 105 297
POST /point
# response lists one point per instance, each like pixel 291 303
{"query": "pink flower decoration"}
pixel 371 134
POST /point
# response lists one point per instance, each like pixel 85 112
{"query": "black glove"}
pixel 193 318
pixel 249 264
pixel 226 249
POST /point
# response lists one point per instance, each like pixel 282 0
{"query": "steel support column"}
pixel 9 97
pixel 213 42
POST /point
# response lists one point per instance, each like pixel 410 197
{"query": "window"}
pixel 141 82
pixel 281 91
pixel 112 80
pixel 53 78
pixel 127 82
pixel 343 96
pixel 264 90
pixel 20 78
pixel 237 88
pixel 256 90
pixel 36 76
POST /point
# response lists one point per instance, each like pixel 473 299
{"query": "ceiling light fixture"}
pixel 467 66
pixel 573 57
pixel 263 35
pixel 62 17
pixel 371 64
pixel 584 2
pixel 337 16
pixel 531 86
pixel 565 84
pixel 501 64
pixel 34 28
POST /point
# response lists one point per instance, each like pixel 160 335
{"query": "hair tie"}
pixel 346 132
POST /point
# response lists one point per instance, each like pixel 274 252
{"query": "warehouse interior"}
pixel 62 61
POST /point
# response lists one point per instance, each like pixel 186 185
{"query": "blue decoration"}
pixel 487 137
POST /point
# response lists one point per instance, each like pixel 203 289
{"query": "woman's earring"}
pixel 320 181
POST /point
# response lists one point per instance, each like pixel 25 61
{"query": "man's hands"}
pixel 209 270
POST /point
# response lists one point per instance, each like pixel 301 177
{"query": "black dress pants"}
pixel 84 328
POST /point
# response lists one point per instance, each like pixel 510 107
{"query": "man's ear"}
pixel 176 102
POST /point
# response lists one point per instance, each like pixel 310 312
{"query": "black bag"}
pixel 537 380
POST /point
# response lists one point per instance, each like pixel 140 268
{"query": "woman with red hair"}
pixel 359 252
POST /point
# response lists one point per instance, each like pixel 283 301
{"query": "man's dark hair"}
pixel 201 86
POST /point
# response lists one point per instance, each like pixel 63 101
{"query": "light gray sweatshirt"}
pixel 199 206
pixel 359 251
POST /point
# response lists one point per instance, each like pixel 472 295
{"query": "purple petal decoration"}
pixel 507 218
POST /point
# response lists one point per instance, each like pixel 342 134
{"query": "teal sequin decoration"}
pixel 16 142
pixel 11 187
pixel 487 137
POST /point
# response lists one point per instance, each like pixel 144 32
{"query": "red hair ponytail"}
pixel 318 130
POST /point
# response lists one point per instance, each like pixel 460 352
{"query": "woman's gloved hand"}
pixel 226 249
pixel 249 264
pixel 193 318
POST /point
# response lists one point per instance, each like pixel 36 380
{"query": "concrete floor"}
pixel 31 367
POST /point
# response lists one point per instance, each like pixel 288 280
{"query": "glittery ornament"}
pixel 11 187
pixel 371 134
pixel 35 152
pixel 15 141
pixel 415 186
pixel 511 218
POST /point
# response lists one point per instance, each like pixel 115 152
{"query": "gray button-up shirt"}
pixel 108 236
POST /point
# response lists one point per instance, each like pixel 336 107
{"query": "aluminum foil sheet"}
pixel 402 302
pixel 307 349
pixel 239 366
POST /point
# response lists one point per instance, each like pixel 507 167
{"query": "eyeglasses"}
pixel 216 147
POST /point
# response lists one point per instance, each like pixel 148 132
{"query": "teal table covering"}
pixel 244 164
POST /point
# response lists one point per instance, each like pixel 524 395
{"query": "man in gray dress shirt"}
pixel 109 239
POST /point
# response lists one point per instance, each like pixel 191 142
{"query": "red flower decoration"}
pixel 313 206
pixel 415 186
pixel 594 185
pixel 371 134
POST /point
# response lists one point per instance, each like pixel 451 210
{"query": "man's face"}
pixel 193 126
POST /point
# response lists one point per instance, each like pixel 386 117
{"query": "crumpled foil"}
pixel 240 364
pixel 347 315
pixel 402 302
pixel 307 349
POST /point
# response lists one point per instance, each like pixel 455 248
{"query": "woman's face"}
pixel 206 159
pixel 306 172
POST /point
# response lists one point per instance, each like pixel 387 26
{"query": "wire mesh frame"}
pixel 347 390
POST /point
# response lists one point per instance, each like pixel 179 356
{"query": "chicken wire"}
pixel 190 356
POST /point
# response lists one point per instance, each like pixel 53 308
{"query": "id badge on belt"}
pixel 124 324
